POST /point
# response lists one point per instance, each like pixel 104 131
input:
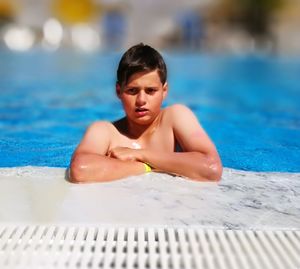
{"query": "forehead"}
pixel 148 78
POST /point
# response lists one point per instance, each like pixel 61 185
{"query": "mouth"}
pixel 141 111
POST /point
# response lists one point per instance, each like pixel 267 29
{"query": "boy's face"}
pixel 142 96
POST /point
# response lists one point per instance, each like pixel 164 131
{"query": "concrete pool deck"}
pixel 241 200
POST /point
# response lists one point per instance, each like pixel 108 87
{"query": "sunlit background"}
pixel 235 26
pixel 235 63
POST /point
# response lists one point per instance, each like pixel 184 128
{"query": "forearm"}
pixel 86 167
pixel 194 165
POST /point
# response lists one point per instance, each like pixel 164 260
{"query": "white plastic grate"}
pixel 102 247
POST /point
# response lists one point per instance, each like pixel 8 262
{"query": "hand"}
pixel 125 154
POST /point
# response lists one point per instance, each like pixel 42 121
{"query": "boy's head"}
pixel 140 58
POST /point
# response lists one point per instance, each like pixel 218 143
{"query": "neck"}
pixel 136 131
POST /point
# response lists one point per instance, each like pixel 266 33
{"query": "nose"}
pixel 141 98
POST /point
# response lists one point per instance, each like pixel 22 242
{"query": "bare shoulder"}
pixel 177 108
pixel 97 126
pixel 188 130
pixel 179 113
pixel 96 138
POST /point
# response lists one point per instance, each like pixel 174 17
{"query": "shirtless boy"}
pixel 148 137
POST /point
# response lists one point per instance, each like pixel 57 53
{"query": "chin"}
pixel 143 120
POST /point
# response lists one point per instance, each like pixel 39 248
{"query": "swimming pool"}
pixel 47 101
pixel 248 105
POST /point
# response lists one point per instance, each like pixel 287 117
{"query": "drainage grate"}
pixel 101 247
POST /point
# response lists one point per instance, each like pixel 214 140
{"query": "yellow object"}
pixel 148 168
pixel 74 11
pixel 7 8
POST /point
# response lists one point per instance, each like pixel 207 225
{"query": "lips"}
pixel 141 111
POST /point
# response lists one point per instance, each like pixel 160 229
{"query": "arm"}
pixel 199 161
pixel 90 167
pixel 90 164
pixel 194 165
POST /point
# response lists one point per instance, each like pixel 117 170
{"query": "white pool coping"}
pixel 241 200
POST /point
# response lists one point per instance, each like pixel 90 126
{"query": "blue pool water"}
pixel 248 105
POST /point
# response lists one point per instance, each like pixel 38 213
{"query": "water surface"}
pixel 248 105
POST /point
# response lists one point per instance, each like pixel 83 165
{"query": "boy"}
pixel 147 138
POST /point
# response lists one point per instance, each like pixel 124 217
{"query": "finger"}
pixel 112 154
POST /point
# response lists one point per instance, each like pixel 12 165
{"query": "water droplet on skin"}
pixel 136 145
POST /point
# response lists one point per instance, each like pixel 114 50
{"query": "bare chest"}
pixel 162 139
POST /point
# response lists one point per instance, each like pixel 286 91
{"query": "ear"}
pixel 165 90
pixel 118 90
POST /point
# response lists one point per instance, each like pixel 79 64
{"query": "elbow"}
pixel 213 171
pixel 78 169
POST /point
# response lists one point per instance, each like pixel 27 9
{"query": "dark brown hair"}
pixel 140 58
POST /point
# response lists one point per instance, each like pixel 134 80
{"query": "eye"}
pixel 131 91
pixel 151 91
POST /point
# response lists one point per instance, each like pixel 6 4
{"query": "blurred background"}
pixel 231 26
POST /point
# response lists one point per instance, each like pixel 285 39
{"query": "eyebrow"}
pixel 137 87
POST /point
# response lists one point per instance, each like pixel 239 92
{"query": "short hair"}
pixel 140 58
